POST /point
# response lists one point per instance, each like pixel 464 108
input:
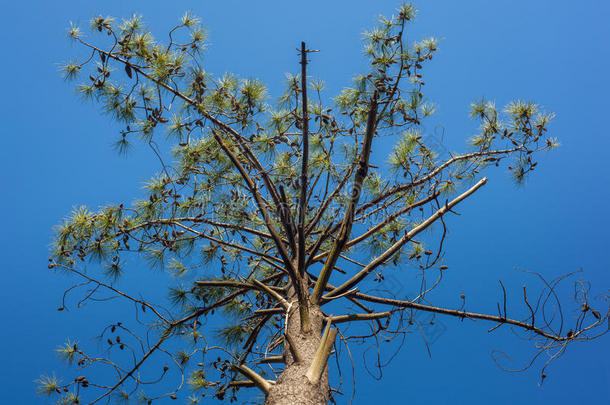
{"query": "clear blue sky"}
pixel 56 154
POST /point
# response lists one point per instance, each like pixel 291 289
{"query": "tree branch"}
pixel 304 161
pixel 379 226
pixel 272 293
pixel 348 219
pixel 432 174
pixel 402 241
pixel 359 317
pixel 457 313
pixel 315 370
pixel 296 279
pixel 272 359
pixel 260 382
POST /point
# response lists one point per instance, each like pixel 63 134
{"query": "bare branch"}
pixel 304 161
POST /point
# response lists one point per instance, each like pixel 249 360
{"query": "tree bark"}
pixel 292 386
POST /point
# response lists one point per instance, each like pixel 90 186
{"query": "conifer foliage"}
pixel 281 214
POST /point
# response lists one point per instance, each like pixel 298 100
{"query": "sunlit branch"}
pixel 272 293
pixel 379 260
pixel 360 317
pixel 260 382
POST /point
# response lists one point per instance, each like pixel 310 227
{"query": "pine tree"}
pixel 283 206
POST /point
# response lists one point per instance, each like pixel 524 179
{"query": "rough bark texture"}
pixel 292 387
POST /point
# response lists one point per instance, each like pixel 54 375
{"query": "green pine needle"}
pixel 47 385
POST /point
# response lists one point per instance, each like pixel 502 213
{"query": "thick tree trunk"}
pixel 292 386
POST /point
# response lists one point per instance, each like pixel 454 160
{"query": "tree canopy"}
pixel 278 211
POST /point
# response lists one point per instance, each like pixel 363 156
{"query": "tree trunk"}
pixel 292 386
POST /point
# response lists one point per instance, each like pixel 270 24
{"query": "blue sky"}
pixel 56 153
